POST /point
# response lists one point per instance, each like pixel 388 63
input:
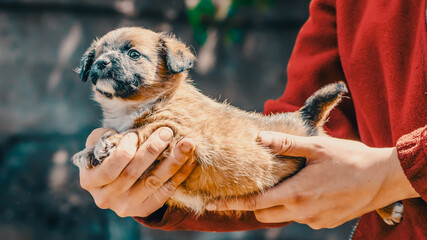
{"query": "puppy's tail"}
pixel 317 107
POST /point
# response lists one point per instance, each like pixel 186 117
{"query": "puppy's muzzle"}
pixel 102 63
pixel 101 69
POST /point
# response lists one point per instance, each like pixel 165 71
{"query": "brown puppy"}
pixel 140 80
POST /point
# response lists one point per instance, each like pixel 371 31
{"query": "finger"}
pixel 147 153
pixel 180 154
pixel 275 214
pixel 158 198
pixel 95 135
pixel 165 169
pixel 290 145
pixel 150 150
pixel 282 213
pixel 112 166
pixel 259 201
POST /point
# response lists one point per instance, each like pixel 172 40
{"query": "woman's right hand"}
pixel 115 184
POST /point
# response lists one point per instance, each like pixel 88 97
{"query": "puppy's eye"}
pixel 134 54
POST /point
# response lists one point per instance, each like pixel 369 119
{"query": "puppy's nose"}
pixel 102 63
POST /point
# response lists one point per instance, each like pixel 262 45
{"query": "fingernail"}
pixel 186 147
pixel 165 134
pixel 128 143
pixel 132 137
pixel 211 207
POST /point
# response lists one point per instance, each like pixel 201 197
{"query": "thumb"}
pixel 289 145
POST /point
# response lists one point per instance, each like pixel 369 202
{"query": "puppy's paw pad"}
pixel 396 214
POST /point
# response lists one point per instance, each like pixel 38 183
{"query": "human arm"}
pixel 342 180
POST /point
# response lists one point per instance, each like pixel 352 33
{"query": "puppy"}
pixel 140 79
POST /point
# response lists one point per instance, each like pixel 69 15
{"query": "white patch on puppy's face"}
pixel 105 85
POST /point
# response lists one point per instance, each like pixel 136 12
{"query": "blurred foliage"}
pixel 210 12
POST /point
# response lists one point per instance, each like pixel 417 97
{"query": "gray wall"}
pixel 46 112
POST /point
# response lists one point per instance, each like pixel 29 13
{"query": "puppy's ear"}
pixel 86 62
pixel 178 56
pixel 317 107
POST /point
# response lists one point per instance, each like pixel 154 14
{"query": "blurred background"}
pixel 46 114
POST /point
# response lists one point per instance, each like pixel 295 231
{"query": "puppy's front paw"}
pixel 392 214
pixel 105 147
pixel 84 158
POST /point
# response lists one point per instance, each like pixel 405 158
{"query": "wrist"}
pixel 395 186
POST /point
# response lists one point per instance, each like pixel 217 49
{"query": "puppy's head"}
pixel 135 64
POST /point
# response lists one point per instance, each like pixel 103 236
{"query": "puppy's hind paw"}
pixel 392 214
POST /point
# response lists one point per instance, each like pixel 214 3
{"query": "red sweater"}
pixel 379 48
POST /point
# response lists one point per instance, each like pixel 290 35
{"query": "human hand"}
pixel 342 180
pixel 115 183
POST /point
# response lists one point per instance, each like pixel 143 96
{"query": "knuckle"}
pixel 289 143
pixel 85 184
pixel 183 173
pixel 175 164
pixel 286 144
pixel 308 220
pixel 144 214
pixel 121 214
pixel 298 198
pixel 123 211
pixel 319 146
pixel 153 149
pixel 102 203
pixel 179 176
pixel 315 226
pixel 333 225
pixel 131 173
pixel 153 182
pixel 106 176
pixel 170 186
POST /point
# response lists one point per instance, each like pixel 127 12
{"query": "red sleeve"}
pixel 314 63
pixel 412 153
pixel 170 219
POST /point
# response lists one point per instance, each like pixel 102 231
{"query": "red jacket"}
pixel 379 48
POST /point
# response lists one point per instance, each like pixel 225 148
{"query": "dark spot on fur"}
pixel 317 107
pixel 177 62
pixel 108 95
pixel 86 64
pixel 94 76
pixel 124 89
pixel 146 57
pixel 128 45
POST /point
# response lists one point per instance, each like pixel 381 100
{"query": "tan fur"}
pixel 230 161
